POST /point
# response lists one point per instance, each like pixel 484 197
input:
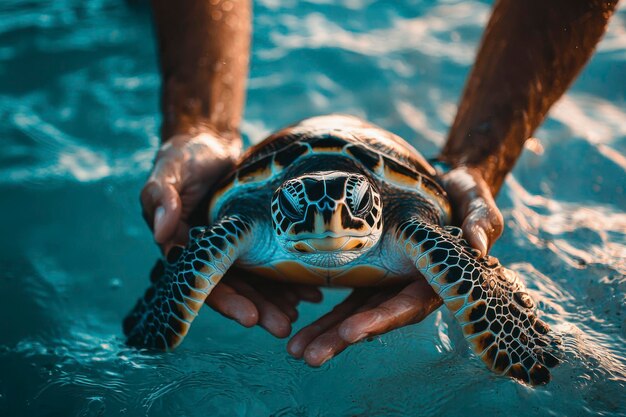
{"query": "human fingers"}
pixel 161 209
pixel 475 208
pixel 307 334
pixel 483 223
pixel 328 344
pixel 411 305
pixel 271 318
pixel 324 347
pixel 281 297
pixel 308 293
pixel 225 300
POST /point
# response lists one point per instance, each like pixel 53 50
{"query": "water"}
pixel 78 111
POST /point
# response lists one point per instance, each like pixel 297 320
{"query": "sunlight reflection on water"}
pixel 79 106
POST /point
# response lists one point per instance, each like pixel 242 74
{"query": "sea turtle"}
pixel 336 201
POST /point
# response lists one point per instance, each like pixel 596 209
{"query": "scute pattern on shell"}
pixel 385 155
pixel 344 128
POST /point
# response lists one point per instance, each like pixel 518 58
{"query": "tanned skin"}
pixel 530 53
pixel 204 50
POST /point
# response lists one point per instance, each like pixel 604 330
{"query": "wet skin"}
pixel 530 53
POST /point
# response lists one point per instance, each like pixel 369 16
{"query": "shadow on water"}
pixel 78 99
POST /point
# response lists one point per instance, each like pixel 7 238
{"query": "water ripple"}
pixel 79 105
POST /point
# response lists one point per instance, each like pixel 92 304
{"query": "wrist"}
pixel 200 102
pixel 204 141
pixel 464 176
pixel 486 158
pixel 190 125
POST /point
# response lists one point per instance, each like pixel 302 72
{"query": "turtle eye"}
pixel 291 203
pixel 359 196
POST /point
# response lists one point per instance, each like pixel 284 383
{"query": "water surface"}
pixel 79 124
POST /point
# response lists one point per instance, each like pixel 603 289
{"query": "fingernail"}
pixel 481 238
pixel 359 337
pixel 158 217
pixel 295 349
pixel 326 359
pixel 349 336
pixel 245 319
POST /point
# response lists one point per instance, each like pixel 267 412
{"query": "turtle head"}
pixel 327 218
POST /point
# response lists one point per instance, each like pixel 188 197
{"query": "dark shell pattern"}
pixel 387 156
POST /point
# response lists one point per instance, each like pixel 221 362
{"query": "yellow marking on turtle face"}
pixel 354 244
pixel 303 247
pixel 328 243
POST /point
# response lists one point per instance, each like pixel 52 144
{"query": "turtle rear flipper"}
pixel 490 302
pixel 161 318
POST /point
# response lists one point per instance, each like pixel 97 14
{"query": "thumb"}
pixel 476 210
pixel 162 209
pixel 482 224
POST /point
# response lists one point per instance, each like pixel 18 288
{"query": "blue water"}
pixel 79 123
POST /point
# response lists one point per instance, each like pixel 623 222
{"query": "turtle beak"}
pixel 330 244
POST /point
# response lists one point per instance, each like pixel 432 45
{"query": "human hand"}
pixel 366 312
pixel 252 300
pixel 185 168
pixel 474 207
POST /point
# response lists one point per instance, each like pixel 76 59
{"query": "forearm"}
pixel 204 54
pixel 530 53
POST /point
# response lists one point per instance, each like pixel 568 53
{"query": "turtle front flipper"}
pixel 490 302
pixel 161 318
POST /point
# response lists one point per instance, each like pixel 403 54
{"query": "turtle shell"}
pixel 385 155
